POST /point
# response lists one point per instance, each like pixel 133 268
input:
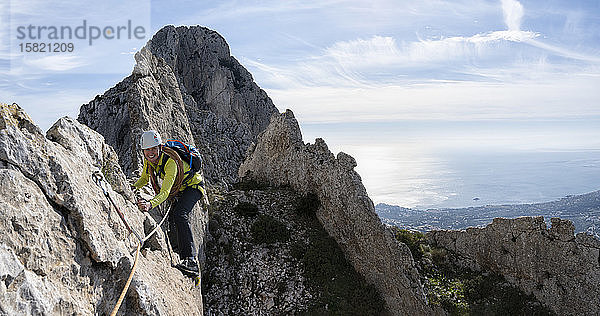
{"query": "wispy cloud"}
pixel 460 47
pixel 500 74
pixel 4 19
pixel 236 9
pixel 565 52
pixel 325 57
pixel 513 13
pixel 54 63
pixel 132 51
pixel 49 85
pixel 88 55
pixel 559 96
pixel 356 62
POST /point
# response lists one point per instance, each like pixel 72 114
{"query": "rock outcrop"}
pixel 561 269
pixel 242 277
pixel 186 85
pixel 281 158
pixel 268 254
pixel 63 248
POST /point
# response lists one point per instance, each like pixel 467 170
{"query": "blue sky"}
pixel 340 62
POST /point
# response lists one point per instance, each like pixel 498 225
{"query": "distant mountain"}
pixel 583 210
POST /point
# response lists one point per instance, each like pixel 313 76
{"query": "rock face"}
pixel 267 254
pixel 281 158
pixel 561 269
pixel 186 85
pixel 63 248
pixel 246 278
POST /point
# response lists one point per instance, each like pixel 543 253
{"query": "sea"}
pixel 456 164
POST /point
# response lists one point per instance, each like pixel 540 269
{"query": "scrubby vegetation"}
pixel 414 240
pixel 246 209
pixel 464 292
pixel 268 230
pixel 247 184
pixel 284 225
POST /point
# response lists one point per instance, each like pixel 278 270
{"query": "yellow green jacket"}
pixel 168 179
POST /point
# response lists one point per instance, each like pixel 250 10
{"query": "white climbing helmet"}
pixel 150 139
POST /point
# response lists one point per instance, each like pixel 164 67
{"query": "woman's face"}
pixel 152 154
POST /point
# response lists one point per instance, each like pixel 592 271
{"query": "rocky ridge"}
pixel 186 85
pixel 561 269
pixel 281 158
pixel 63 248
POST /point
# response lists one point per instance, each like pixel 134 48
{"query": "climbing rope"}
pixel 99 179
pixel 122 296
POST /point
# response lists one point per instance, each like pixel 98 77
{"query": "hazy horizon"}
pixel 442 164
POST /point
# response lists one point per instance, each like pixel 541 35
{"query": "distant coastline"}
pixel 583 210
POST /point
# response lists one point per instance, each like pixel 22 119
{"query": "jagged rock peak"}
pixel 63 248
pixel 13 115
pixel 561 269
pixel 281 158
pixel 186 85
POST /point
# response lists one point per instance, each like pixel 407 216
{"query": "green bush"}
pixel 464 292
pixel 414 241
pixel 268 230
pixel 447 293
pixel 246 209
pixel 438 256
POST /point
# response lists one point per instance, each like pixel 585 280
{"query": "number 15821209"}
pixel 47 47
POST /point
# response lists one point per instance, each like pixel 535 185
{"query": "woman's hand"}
pixel 143 205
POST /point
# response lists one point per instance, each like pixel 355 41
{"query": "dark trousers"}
pixel 180 218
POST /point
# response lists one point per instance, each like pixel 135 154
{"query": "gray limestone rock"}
pixel 144 100
pixel 63 248
pixel 244 278
pixel 281 158
pixel 85 143
pixel 186 85
pixel 561 269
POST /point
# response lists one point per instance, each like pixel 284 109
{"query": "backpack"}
pixel 188 155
